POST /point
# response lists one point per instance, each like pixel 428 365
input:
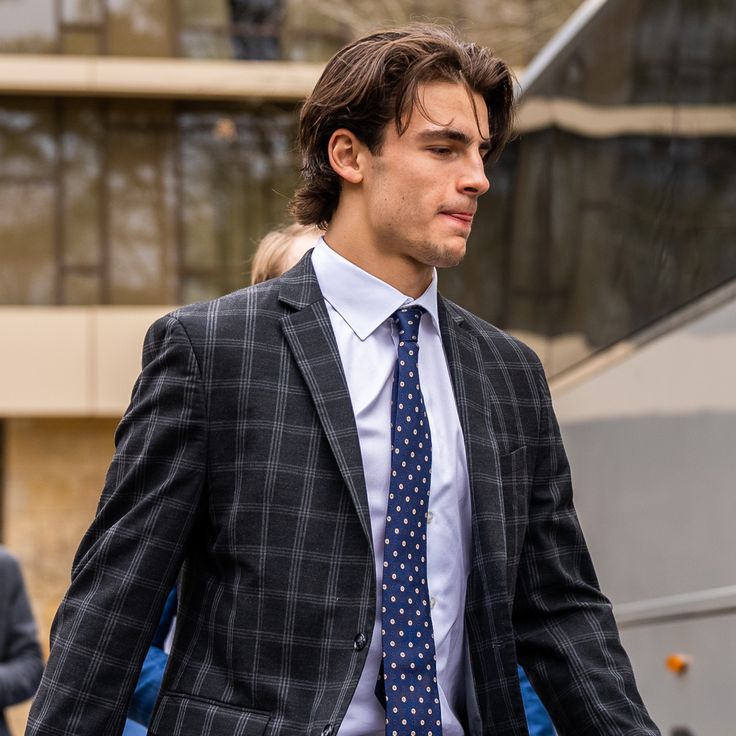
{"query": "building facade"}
pixel 146 146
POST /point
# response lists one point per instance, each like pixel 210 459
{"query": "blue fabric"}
pixel 409 668
pixel 152 671
pixel 134 729
pixel 537 718
pixel 164 625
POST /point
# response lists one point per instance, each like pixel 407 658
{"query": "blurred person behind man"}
pixel 281 249
pixel 21 663
pixel 323 590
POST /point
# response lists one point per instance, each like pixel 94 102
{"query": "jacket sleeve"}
pixel 566 636
pixel 22 665
pixel 129 558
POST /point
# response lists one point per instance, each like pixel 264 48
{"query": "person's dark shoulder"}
pixel 495 343
pixel 10 567
pixel 7 558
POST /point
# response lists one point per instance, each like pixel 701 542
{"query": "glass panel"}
pixel 197 288
pixel 604 238
pixel 82 183
pixel 27 146
pixel 27 26
pixel 310 35
pixel 230 29
pixel 82 11
pixel 663 52
pixel 140 188
pixel 27 266
pixel 80 289
pixel 139 28
pixel 210 12
pixel 205 44
pixel 595 235
pixel 256 28
pixel 239 172
pixel 81 43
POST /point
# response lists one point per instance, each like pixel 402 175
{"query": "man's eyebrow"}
pixel 454 135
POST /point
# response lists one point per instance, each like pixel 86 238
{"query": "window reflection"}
pixel 82 11
pixel 139 28
pixel 229 29
pixel 135 203
pixel 82 43
pixel 27 26
pixel 238 172
pixel 587 238
pixel 81 186
pixel 140 189
pixel 28 273
pixel 27 147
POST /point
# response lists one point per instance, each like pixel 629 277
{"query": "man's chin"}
pixel 450 255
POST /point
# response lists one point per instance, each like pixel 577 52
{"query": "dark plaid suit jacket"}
pixel 239 460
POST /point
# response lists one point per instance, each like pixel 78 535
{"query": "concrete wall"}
pixel 53 474
pixel 651 440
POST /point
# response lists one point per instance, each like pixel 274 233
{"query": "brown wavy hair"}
pixel 375 81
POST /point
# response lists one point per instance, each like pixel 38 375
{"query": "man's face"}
pixel 422 188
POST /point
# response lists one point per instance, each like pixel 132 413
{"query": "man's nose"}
pixel 474 180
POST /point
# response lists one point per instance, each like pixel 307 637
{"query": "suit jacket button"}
pixel 327 730
pixel 359 642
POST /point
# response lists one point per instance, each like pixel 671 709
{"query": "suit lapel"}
pixel 474 395
pixel 309 335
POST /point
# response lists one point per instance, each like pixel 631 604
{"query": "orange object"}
pixel 678 663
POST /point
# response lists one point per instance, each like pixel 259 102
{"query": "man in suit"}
pixel 21 663
pixel 363 552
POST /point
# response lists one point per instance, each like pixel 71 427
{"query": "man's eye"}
pixel 440 150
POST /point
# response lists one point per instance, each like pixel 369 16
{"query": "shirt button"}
pixel 359 642
pixel 430 516
pixel 327 730
pixel 432 602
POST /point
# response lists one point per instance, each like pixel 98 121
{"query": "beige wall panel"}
pixel 173 78
pixel 45 367
pixel 118 340
pixel 71 361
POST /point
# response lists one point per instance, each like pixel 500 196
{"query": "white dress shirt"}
pixel 360 308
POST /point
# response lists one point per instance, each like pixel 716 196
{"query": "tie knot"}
pixel 407 321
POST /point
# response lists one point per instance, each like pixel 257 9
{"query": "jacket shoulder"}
pixel 501 343
pixel 257 297
pixel 8 561
pixel 259 302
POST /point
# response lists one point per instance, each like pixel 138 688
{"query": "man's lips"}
pixel 464 218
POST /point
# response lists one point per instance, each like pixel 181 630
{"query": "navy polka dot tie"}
pixel 409 667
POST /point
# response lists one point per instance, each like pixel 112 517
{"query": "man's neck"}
pixel 407 276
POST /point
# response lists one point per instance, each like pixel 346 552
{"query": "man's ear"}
pixel 346 154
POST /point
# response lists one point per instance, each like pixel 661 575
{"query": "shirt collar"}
pixel 362 300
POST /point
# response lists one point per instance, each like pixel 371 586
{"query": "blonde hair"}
pixel 270 258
